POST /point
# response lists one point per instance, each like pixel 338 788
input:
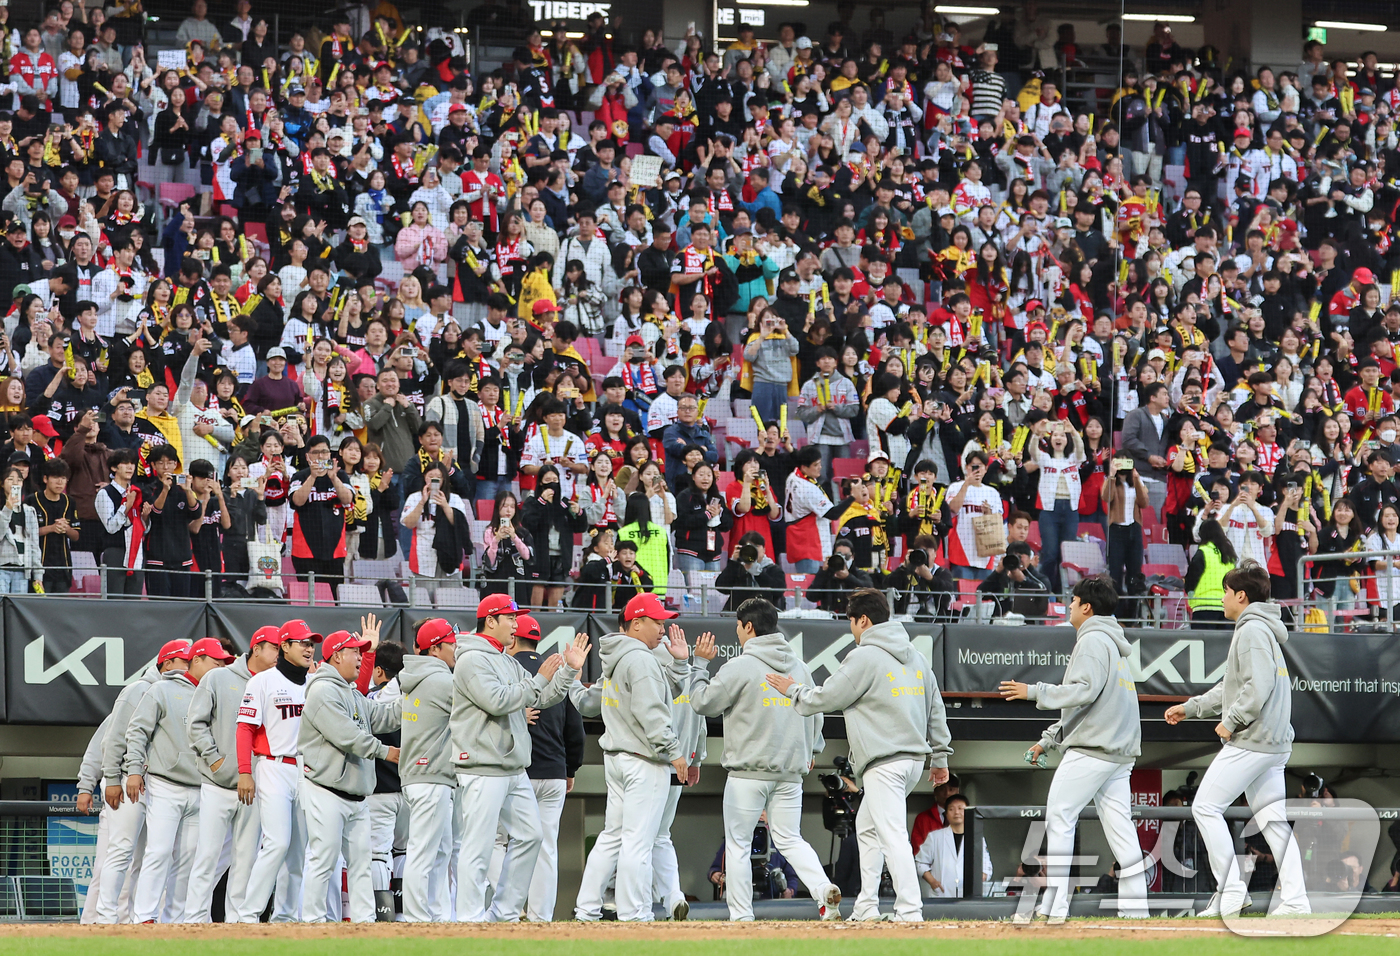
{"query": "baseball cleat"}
pixel 680 910
pixel 830 908
pixel 877 918
pixel 1293 910
pixel 1213 909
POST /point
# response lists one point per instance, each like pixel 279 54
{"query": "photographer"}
pixel 1016 586
pixel 773 876
pixel 926 586
pixel 1123 497
pixel 751 573
pixel 834 582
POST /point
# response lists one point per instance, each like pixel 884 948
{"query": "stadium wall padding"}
pixel 66 659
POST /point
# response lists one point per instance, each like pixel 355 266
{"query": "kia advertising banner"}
pixel 66 659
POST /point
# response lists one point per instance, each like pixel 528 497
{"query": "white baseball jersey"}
pixel 272 704
pixel 544 449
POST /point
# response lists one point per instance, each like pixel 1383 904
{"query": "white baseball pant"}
pixel 388 819
pixel 882 834
pixel 665 868
pixel 282 819
pixel 99 853
pixel 1079 779
pixel 126 839
pixel 637 794
pixel 745 799
pixel 1259 776
pixel 488 802
pixel 172 833
pixel 337 827
pixel 425 881
pixel 544 883
pixel 228 839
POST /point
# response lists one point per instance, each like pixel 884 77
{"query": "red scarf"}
pixel 408 175
pixel 643 380
pixel 609 515
pixel 497 418
pixel 138 531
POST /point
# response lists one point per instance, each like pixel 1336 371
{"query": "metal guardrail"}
pixel 1388 597
pixel 976 815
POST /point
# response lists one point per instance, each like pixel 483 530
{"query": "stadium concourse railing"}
pixel 1351 593
pixel 699 595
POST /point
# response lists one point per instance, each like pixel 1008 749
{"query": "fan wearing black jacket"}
pixel 834 583
pixel 751 573
pixel 552 524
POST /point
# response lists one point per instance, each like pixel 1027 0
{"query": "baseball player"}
pixel 228 828
pixel 388 816
pixel 160 762
pixel 89 778
pixel 1255 707
pixel 895 723
pixel 338 747
pixel 768 749
pixel 638 744
pixel 1101 736
pixel 269 771
pixel 690 733
pixel 556 753
pixel 126 829
pixel 427 774
pixel 491 739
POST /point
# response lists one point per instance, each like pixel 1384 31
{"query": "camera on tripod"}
pixel 838 805
pixel 769 882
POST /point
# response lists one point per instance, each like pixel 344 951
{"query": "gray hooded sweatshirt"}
pixel 764 736
pixel 490 735
pixel 156 742
pixel 336 740
pixel 114 744
pixel 634 698
pixel 887 692
pixel 212 722
pixel 689 726
pixel 90 770
pixel 425 750
pixel 1254 701
pixel 1098 701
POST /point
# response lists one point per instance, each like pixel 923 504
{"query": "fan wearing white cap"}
pixel 339 747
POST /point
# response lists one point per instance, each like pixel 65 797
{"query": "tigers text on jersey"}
pixel 272 704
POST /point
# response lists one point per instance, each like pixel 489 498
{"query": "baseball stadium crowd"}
pixel 623 318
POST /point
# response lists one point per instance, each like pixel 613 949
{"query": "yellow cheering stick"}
pixel 938 500
pixel 906 410
pixel 758 422
pixel 1018 440
pixel 782 421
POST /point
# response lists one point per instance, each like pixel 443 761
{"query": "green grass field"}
pixel 846 946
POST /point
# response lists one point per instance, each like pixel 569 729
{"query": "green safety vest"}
pixel 1210 589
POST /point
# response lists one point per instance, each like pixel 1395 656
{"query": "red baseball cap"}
pixel 44 426
pixel 496 604
pixel 1034 304
pixel 527 627
pixel 647 605
pixel 1362 276
pixel 174 651
pixel 542 306
pixel 268 633
pixel 336 640
pixel 210 647
pixel 434 632
pixel 298 630
pixel 634 340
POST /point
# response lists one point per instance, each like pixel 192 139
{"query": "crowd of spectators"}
pixel 343 300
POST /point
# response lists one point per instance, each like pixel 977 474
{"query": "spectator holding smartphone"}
pixel 319 495
pixel 1123 497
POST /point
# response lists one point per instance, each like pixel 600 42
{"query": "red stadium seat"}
pixel 484 510
pixel 847 468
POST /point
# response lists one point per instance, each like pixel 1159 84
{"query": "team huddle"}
pixel 259 772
